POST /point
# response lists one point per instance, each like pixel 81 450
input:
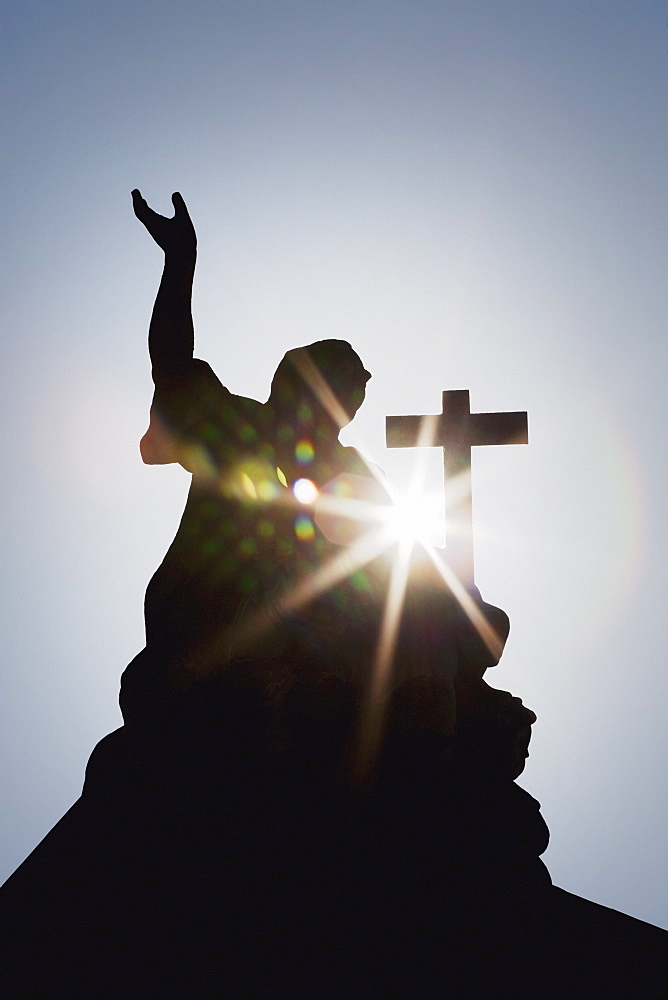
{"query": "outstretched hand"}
pixel 175 235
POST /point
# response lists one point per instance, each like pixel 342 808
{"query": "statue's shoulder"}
pixel 192 408
pixel 353 461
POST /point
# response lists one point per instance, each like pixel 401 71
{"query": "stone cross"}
pixel 456 430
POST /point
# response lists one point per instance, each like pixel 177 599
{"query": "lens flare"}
pixel 305 491
pixel 374 710
pixel 304 529
pixel 304 452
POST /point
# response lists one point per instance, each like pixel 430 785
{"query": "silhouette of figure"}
pixel 244 541
pixel 200 860
pixel 238 535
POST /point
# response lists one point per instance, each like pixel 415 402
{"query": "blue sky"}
pixel 473 194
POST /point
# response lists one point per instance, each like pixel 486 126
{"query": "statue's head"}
pixel 327 376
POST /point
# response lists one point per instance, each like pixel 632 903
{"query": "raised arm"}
pixel 171 334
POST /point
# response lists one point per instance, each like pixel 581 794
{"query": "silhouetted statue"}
pixel 242 534
pixel 245 545
pixel 228 842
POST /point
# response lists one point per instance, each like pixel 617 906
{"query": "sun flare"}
pixel 413 518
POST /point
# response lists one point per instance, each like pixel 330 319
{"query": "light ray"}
pixel 321 389
pixel 323 392
pixel 467 603
pixel 373 715
pixel 368 547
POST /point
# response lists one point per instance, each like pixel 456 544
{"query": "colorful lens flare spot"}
pixel 304 452
pixel 342 487
pixel 267 490
pixel 248 486
pixel 304 529
pixel 305 491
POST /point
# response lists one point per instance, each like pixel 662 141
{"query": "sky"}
pixel 473 194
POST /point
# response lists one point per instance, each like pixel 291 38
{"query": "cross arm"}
pixel 483 429
pixel 413 431
pixel 499 428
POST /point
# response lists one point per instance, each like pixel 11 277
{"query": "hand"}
pixel 174 236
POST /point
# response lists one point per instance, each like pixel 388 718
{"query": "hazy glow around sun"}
pixel 415 518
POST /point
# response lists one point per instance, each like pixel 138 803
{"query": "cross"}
pixel 456 430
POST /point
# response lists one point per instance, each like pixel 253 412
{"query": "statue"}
pixel 314 790
pixel 246 545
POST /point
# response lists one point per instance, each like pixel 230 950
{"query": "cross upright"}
pixel 456 430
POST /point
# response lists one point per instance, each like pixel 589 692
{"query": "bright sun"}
pixel 413 518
